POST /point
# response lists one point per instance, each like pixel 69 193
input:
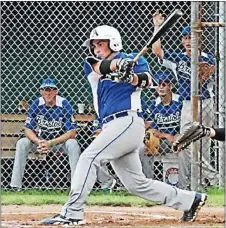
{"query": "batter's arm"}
pixel 113 66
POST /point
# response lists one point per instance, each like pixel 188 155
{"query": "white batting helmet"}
pixel 105 32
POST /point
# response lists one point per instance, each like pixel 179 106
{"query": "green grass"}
pixel 37 198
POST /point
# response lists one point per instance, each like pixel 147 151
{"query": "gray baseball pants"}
pixel 24 146
pixel 70 148
pixel 118 143
pixel 147 162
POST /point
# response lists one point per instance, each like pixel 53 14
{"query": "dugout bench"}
pixel 11 130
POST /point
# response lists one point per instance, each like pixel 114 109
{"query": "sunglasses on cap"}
pixel 164 83
pixel 48 88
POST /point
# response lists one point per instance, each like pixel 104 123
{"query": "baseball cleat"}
pixel 61 220
pixel 199 201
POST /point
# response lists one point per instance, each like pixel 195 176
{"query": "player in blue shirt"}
pixel 163 113
pixel 119 105
pixel 180 64
pixel 49 126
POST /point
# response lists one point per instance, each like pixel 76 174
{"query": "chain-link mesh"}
pixel 43 39
pixel 213 41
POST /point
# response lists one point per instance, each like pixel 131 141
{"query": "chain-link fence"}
pixel 44 39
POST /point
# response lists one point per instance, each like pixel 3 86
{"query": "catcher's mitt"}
pixel 205 71
pixel 152 143
pixel 192 133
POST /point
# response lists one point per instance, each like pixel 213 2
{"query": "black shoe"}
pixel 61 220
pixel 199 201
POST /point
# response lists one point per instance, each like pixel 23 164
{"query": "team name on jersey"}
pixel 172 118
pixel 49 124
pixel 184 68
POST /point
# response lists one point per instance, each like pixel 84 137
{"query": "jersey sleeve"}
pixel 87 69
pixel 170 60
pixel 211 59
pixel 149 114
pixel 142 67
pixel 148 111
pixel 30 122
pixel 69 120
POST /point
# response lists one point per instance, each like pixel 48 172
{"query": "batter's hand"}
pixel 43 146
pixel 158 19
pixel 125 70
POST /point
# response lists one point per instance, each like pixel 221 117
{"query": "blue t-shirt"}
pixel 180 64
pixel 164 118
pixel 110 97
pixel 50 122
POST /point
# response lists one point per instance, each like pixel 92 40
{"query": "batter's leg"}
pixel 129 170
pixel 114 141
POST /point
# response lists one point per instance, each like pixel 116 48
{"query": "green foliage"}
pixel 36 198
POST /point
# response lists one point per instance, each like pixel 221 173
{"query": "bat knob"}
pixel 178 12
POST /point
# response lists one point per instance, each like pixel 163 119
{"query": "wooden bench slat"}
pixel 13 117
pixel 11 154
pixel 8 142
pixel 11 127
pixel 22 117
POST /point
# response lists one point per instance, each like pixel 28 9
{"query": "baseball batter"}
pixel 180 64
pixel 123 131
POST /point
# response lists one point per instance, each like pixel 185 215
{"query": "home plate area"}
pixel 157 216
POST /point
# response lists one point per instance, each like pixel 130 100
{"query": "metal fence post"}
pixel 195 28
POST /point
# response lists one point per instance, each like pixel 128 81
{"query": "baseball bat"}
pixel 168 23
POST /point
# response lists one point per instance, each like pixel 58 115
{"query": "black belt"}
pixel 118 115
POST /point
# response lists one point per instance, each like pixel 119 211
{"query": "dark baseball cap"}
pixel 49 83
pixel 186 31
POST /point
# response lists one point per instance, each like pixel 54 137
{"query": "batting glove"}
pixel 125 70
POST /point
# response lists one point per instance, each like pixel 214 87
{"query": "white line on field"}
pixel 155 216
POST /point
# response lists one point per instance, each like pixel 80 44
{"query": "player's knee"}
pixel 90 158
pixel 23 143
pixel 72 146
pixel 72 143
pixel 137 186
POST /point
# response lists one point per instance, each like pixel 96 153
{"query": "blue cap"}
pixel 166 77
pixel 48 83
pixel 186 31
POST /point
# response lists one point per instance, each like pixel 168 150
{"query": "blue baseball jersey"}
pixel 111 97
pixel 164 118
pixel 180 64
pixel 51 122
